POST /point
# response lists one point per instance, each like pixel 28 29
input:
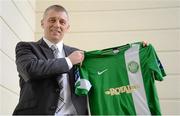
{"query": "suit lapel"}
pixel 45 49
pixel 66 50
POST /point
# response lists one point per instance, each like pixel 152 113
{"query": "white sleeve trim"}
pixel 85 84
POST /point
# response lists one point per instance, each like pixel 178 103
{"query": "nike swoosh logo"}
pixel 101 72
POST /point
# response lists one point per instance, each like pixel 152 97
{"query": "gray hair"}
pixel 57 8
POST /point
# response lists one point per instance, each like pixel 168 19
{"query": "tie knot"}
pixel 55 50
pixel 54 47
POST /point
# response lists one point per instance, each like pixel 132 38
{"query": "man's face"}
pixel 55 24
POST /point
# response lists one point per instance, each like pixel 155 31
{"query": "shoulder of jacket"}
pixel 70 47
pixel 25 44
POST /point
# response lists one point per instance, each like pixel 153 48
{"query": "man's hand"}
pixel 76 57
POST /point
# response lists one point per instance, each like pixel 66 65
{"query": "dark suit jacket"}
pixel 38 71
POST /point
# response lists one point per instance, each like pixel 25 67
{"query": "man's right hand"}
pixel 76 57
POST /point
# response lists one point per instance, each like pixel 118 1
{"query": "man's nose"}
pixel 57 24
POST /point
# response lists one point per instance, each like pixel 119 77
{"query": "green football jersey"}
pixel 121 80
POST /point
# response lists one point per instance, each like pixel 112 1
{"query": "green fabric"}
pixel 111 93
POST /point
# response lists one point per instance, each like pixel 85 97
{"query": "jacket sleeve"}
pixel 31 67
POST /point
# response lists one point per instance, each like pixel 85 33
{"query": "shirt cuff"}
pixel 69 62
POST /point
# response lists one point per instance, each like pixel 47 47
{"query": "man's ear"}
pixel 67 29
pixel 42 23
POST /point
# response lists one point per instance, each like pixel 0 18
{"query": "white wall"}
pixel 97 24
pixel 17 23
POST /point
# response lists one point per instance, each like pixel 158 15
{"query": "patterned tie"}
pixel 60 80
pixel 55 50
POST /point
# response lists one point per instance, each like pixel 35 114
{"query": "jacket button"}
pixel 57 90
pixel 52 108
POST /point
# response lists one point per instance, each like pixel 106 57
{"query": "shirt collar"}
pixel 59 44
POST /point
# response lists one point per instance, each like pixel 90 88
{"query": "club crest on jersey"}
pixel 133 66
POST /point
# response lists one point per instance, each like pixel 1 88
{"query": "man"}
pixel 46 70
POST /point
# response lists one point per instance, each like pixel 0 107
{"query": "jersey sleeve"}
pixel 82 84
pixel 155 65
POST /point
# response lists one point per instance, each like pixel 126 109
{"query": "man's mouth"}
pixel 56 31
